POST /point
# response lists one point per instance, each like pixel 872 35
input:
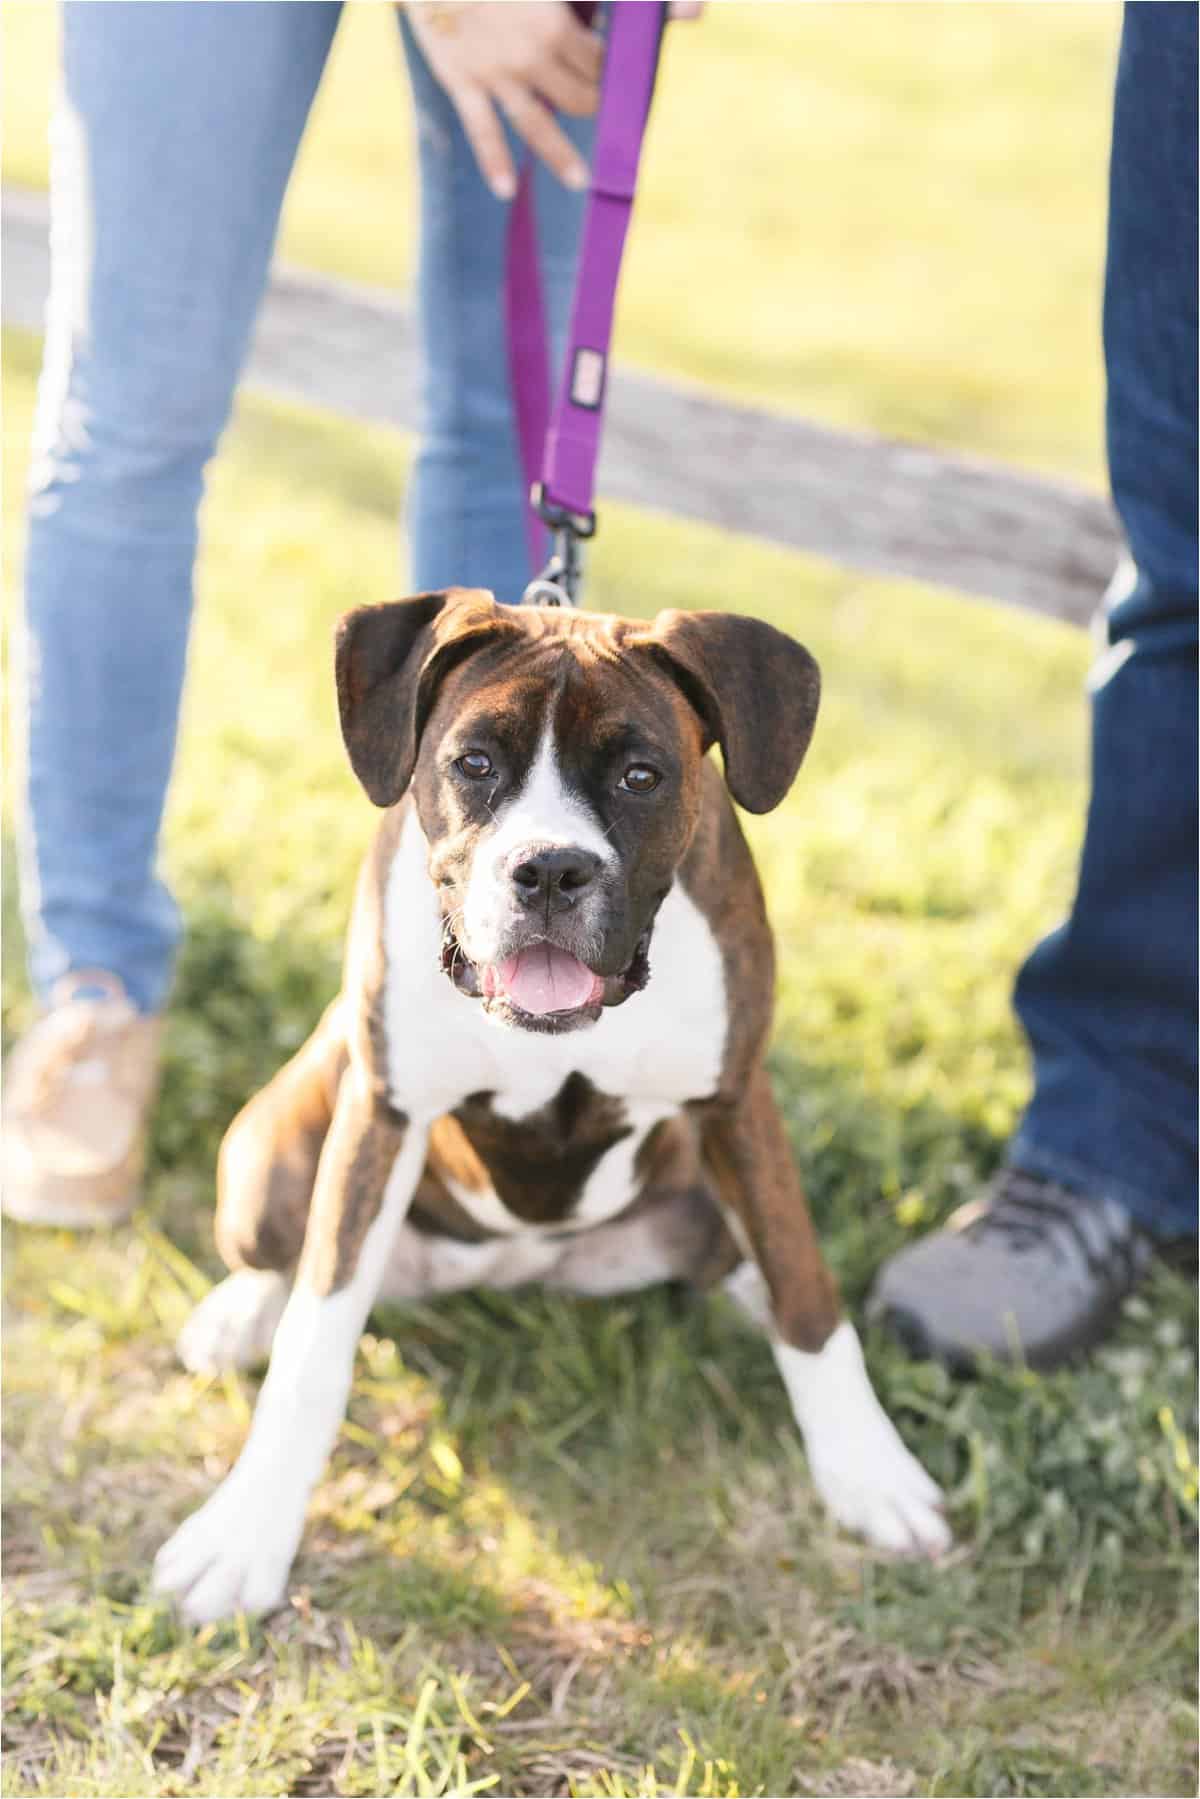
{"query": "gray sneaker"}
pixel 1033 1272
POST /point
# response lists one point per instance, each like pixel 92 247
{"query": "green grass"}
pixel 571 1547
pixel 888 216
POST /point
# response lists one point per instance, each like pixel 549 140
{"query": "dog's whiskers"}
pixel 450 940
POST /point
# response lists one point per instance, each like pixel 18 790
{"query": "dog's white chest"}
pixel 662 1047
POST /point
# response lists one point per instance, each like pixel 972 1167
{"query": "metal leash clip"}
pixel 558 583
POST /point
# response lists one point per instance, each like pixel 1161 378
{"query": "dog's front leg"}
pixel 234 1554
pixel 864 1473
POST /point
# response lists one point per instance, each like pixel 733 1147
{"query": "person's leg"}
pixel 466 494
pixel 1105 1157
pixel 174 136
pixel 1109 999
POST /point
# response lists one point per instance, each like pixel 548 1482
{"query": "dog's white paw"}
pixel 233 1326
pixel 874 1485
pixel 233 1555
pixel 868 1479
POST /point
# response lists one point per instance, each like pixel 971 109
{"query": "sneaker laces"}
pixel 1031 1214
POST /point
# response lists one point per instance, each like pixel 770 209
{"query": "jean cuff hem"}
pixel 1150 1214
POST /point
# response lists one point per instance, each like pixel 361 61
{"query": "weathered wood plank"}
pixel 889 508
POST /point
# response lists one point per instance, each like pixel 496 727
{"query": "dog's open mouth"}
pixel 542 985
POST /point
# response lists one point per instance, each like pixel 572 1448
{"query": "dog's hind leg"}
pixel 234 1325
pixel 265 1174
pixel 269 1155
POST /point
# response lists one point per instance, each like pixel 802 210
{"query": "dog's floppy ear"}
pixel 389 660
pixel 756 692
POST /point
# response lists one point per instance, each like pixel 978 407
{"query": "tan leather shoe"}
pixel 77 1088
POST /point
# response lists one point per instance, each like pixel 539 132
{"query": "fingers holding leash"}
pixel 524 57
pixel 485 134
pixel 532 120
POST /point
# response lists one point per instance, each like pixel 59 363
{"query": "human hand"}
pixel 523 57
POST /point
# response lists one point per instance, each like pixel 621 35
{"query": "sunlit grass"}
pixel 570 1547
pixel 886 215
pixel 567 1547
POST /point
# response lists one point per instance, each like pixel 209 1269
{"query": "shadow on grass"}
pixel 240 1007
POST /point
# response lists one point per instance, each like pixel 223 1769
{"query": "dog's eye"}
pixel 640 779
pixel 475 765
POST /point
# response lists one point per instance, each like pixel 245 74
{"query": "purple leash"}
pixel 559 449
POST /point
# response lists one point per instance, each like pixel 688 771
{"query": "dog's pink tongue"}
pixel 546 979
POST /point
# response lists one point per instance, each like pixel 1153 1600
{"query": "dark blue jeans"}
pixel 1109 999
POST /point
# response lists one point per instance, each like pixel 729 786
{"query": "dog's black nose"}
pixel 553 878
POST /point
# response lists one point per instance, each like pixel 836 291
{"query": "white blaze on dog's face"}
pixel 555 759
pixel 546 861
pixel 558 790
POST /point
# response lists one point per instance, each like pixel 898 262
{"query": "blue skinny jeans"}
pixel 173 143
pixel 173 139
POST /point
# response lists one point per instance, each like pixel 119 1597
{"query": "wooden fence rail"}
pixel 865 502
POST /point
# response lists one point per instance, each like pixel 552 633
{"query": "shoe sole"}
pixel 109 1200
pixel 66 1217
pixel 908 1331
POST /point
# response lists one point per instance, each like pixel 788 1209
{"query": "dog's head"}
pixel 554 759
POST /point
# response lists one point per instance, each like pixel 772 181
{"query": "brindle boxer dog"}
pixel 546 1061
